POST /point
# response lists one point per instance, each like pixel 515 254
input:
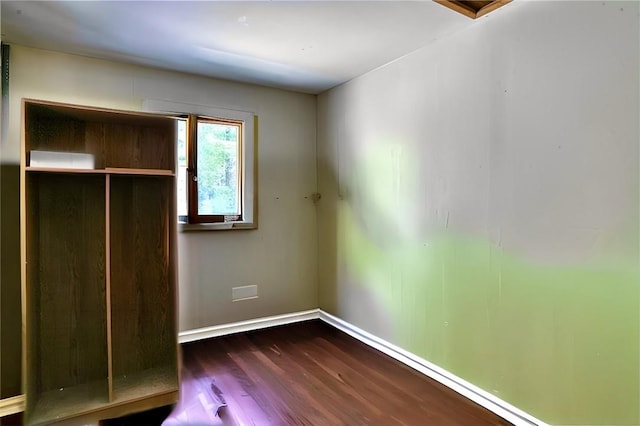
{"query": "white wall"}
pixel 280 256
pixel 480 206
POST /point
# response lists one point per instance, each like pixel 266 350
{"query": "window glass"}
pixel 218 183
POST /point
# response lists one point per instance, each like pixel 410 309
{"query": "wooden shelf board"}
pixel 148 172
pixel 64 170
pixel 138 388
pixel 56 405
pixel 108 170
pixel 12 405
pixel 143 384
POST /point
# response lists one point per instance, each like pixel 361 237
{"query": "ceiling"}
pixel 306 46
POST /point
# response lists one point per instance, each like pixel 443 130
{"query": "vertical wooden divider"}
pixel 107 209
pixel 26 381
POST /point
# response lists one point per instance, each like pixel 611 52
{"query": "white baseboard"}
pixel 461 386
pixel 457 384
pixel 248 325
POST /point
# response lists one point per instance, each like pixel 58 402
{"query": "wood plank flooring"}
pixel 303 374
pixel 310 374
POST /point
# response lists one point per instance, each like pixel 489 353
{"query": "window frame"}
pixel 248 159
pixel 192 170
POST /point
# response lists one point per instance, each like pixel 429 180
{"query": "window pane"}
pixel 182 168
pixel 218 183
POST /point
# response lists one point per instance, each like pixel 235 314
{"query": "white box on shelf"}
pixel 63 160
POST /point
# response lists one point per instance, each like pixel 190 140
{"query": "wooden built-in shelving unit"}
pixel 99 274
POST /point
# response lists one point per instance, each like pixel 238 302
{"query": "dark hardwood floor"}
pixel 302 374
pixel 307 374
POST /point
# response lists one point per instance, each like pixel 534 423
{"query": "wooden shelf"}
pixel 142 384
pixel 108 170
pixel 113 139
pixel 55 405
pixel 99 253
pixel 59 404
pixel 147 172
pixel 64 170
pixel 61 111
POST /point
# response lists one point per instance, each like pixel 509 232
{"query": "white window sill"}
pixel 226 226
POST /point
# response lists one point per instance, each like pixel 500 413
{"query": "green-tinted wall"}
pixel 480 207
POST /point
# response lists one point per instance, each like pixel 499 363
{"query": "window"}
pixel 210 170
pixel 216 166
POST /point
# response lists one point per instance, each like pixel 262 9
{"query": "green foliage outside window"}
pixel 218 184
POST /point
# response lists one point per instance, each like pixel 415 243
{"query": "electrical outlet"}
pixel 244 292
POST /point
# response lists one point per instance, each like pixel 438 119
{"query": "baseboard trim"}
pixel 248 325
pixel 12 405
pixel 459 385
